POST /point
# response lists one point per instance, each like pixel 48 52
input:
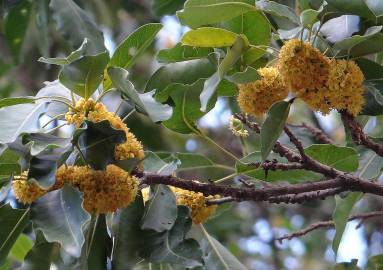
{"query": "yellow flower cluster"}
pixel 104 191
pixel 96 112
pixel 322 83
pixel 27 192
pixel 196 201
pixel 255 98
pixel 302 66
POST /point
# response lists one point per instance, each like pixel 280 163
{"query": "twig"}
pixel 219 201
pixel 357 134
pixel 327 224
pixel 317 133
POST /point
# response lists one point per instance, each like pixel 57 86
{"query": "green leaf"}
pixel 128 236
pixel 97 142
pixel 186 110
pixel 209 37
pixel 95 250
pixel 357 7
pixel 41 255
pixel 145 103
pixel 182 53
pixel 132 47
pixel 42 24
pixel 5 102
pixel 308 18
pixel 154 164
pixel 20 118
pixel 340 216
pixel 60 216
pixel 161 210
pixel 15 26
pixel 9 163
pixel 13 222
pixel 83 76
pixel 254 25
pixel 375 262
pixel 347 265
pixel 349 43
pixel 186 72
pixel 21 247
pixel 202 12
pixel 39 142
pixel 278 10
pixel 246 76
pixel 73 56
pixel 211 84
pixel 273 126
pixel 167 7
pixel 189 161
pixel 247 167
pixel 216 256
pixel 170 246
pixel 341 158
pixel 76 25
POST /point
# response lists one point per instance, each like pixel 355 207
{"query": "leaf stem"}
pixel 128 115
pixel 53 119
pixel 225 178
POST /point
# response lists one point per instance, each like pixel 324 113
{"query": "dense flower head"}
pixel 103 191
pixel 196 201
pixel 303 66
pixel 256 98
pixel 27 192
pixel 317 99
pixel 96 112
pixel 345 85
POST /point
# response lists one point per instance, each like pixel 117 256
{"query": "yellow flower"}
pixel 96 112
pixel 316 99
pixel 302 66
pixel 104 191
pixel 196 201
pixel 28 192
pixel 257 97
pixel 346 86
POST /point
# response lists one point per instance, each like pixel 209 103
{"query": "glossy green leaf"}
pixel 83 76
pixel 254 25
pixel 211 84
pixel 132 47
pixel 75 24
pixel 41 255
pixel 60 216
pixel 209 37
pixel 128 236
pixel 341 158
pixel 197 13
pixel 21 247
pixel 216 256
pixel 171 246
pixel 167 7
pixel 144 103
pixel 15 26
pixel 181 53
pixel 73 56
pixel 160 211
pixel 278 10
pixel 20 118
pixel 5 102
pixel 273 126
pixel 97 142
pixel 13 222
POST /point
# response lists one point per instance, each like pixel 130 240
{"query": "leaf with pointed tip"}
pixel 144 102
pixel 60 217
pixel 161 210
pixel 76 25
pixel 128 236
pixel 83 76
pixel 170 246
pixel 20 118
pixel 97 142
pixel 73 56
pixel 13 221
pixel 273 126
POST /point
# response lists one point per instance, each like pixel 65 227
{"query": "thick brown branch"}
pixel 318 134
pixel 328 224
pixel 307 196
pixel 358 136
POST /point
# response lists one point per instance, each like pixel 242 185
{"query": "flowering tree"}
pixel 77 180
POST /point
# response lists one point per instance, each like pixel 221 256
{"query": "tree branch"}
pixel 357 134
pixel 327 224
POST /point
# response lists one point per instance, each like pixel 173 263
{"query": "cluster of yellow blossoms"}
pixel 103 191
pixel 196 201
pixel 322 83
